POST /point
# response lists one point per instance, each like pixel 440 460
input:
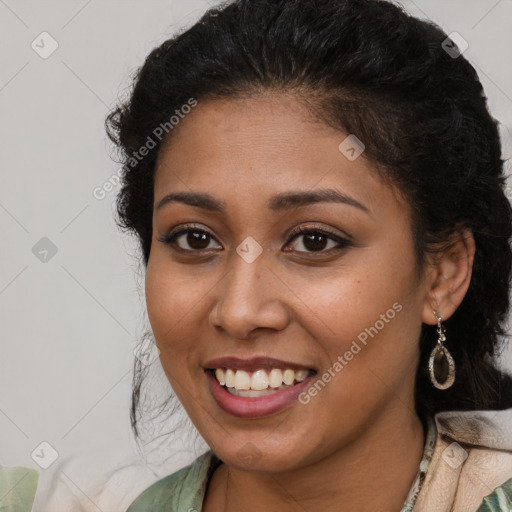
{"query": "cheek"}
pixel 170 304
pixel 170 300
pixel 369 314
pixel 160 299
pixel 344 305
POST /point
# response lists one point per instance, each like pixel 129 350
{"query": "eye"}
pixel 307 240
pixel 310 240
pixel 190 239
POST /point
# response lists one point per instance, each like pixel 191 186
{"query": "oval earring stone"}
pixel 441 367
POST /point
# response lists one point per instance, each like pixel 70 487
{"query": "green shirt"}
pixel 17 489
pixel 184 491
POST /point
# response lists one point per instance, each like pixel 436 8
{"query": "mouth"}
pixel 262 382
pixel 256 387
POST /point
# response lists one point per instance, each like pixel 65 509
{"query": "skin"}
pixel 361 432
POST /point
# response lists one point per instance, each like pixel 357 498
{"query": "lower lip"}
pixel 245 407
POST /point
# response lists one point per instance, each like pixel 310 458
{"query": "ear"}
pixel 448 277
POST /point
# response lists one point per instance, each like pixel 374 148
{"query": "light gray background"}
pixel 69 325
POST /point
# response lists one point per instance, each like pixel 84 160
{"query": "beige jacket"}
pixel 471 458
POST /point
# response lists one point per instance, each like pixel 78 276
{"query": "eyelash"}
pixel 343 243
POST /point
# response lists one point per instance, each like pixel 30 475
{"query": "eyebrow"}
pixel 279 202
pixel 289 200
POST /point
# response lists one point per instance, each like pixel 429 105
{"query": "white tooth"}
pixel 301 375
pixel 219 373
pixel 288 377
pixel 242 380
pixel 230 378
pixel 251 393
pixel 275 378
pixel 259 380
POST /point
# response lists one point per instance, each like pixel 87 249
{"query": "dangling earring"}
pixel 441 361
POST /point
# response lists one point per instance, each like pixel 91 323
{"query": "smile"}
pixel 256 388
pixel 260 382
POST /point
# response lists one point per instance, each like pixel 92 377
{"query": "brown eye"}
pixel 196 240
pixel 313 240
pixel 190 240
pixel 316 242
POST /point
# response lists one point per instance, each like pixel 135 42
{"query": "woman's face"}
pixel 232 284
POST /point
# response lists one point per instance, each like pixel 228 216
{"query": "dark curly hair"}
pixel 367 68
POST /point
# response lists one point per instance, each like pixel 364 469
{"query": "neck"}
pixel 373 472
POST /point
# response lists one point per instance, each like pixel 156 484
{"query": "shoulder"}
pixel 183 489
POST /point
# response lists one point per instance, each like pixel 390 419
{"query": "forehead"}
pixel 255 147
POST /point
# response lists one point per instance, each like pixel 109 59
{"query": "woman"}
pixel 319 197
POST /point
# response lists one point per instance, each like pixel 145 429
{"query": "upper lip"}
pixel 252 364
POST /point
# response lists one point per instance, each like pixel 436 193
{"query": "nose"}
pixel 250 297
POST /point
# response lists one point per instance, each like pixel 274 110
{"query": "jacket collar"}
pixel 488 429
